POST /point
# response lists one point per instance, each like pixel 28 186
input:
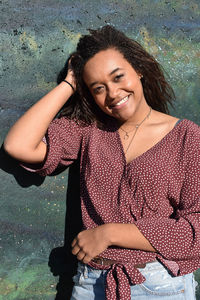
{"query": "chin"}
pixel 124 117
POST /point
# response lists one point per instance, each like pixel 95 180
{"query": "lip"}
pixel 116 107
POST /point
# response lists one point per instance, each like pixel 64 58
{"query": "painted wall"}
pixel 37 37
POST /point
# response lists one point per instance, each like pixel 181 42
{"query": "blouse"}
pixel 158 191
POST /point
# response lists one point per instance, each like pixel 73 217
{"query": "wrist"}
pixel 109 233
pixel 119 233
pixel 65 89
pixel 70 84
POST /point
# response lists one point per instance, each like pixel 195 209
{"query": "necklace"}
pixel 126 136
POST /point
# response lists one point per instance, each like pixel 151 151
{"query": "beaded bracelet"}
pixel 69 84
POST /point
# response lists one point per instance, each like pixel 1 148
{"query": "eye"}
pixel 118 77
pixel 98 90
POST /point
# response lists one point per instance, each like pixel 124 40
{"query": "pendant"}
pixel 126 136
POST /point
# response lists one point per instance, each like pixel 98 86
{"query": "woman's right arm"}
pixel 24 140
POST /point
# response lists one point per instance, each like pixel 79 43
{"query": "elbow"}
pixel 14 148
pixel 15 151
pixel 24 153
pixel 6 146
pixel 9 148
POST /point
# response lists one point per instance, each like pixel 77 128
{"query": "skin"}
pixel 110 79
pixel 24 139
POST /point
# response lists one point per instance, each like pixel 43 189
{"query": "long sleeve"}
pixel 178 238
pixel 63 139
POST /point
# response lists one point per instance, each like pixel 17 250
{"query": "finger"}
pixel 76 250
pixel 80 255
pixel 86 259
pixel 69 62
pixel 74 242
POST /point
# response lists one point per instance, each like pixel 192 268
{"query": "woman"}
pixel 139 170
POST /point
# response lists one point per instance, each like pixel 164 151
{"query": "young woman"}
pixel 139 170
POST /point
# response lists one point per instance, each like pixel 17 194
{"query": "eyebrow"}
pixel 111 73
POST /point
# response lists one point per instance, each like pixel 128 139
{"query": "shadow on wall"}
pixel 62 262
pixel 23 177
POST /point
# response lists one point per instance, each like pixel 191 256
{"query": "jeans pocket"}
pixel 76 278
pixel 195 284
pixel 79 277
pixel 161 283
pixel 86 275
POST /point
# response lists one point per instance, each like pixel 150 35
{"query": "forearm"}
pixel 127 236
pixel 91 242
pixel 26 134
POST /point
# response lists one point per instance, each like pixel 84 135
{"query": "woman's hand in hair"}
pixel 70 75
pixel 24 141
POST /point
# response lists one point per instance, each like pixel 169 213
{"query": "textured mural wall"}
pixel 36 38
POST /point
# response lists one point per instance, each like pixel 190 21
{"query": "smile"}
pixel 121 103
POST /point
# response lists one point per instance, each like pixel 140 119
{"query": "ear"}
pixel 140 75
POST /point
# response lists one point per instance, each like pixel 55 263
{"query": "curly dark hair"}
pixel 81 106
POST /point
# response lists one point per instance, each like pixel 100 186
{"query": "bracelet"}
pixel 69 84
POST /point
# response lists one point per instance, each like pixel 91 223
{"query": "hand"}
pixel 70 75
pixel 90 243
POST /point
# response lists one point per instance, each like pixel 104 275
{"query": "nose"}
pixel 112 91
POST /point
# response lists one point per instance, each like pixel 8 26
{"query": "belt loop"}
pixel 85 272
pixel 102 262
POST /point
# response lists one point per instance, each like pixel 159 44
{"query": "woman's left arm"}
pixel 90 243
pixel 176 239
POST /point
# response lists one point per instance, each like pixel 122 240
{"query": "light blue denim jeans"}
pixel 89 284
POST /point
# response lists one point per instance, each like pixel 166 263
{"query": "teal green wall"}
pixel 36 38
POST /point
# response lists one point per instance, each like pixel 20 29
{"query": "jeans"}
pixel 89 284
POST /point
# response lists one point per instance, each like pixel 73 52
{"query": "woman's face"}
pixel 115 85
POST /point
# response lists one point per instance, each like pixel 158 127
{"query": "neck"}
pixel 136 119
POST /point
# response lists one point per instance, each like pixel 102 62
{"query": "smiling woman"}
pixel 115 86
pixel 139 170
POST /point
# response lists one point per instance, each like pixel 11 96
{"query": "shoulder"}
pixel 187 133
pixel 191 132
pixel 182 133
pixel 168 122
pixel 188 137
pixel 164 121
pixel 64 124
pixel 189 127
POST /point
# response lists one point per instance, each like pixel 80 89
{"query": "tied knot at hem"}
pixel 118 281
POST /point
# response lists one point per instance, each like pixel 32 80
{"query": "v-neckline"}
pixel 148 150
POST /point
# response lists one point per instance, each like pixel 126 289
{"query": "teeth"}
pixel 122 101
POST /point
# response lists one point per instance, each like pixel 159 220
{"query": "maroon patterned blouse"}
pixel 159 192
